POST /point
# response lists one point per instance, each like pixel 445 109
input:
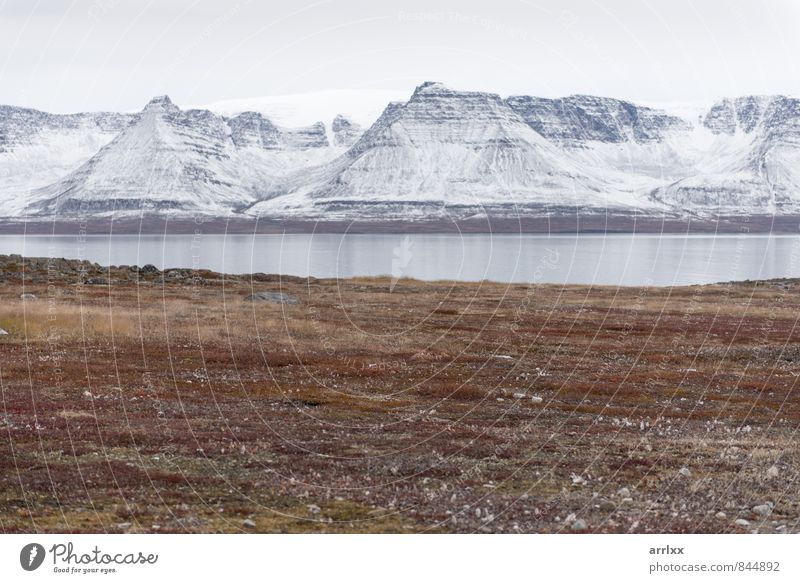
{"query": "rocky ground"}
pixel 135 400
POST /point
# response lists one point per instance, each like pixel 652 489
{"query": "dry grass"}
pixel 35 321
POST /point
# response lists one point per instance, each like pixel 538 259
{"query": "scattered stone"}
pixel 570 518
pixel 248 523
pixel 519 395
pixel 721 515
pixel 742 522
pixel 576 479
pixel 762 510
pixel 578 525
pixel 272 297
pixel 26 297
pixel 624 492
pixel 685 472
pixel 773 472
pixel 536 400
pixel 3 332
pixel 314 509
pixel 124 525
pixel 96 281
pixel 607 506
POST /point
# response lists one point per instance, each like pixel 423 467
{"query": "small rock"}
pixel 773 472
pixel 570 518
pixel 248 523
pixel 536 400
pixel 762 510
pixel 25 297
pixel 607 506
pixel 3 332
pixel 578 525
pixel 271 297
pixel 741 522
pixel 685 472
pixel 624 492
pixel 149 268
pixel 721 515
pixel 124 525
pixel 519 395
pixel 314 509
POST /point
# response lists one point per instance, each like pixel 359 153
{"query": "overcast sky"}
pixel 74 55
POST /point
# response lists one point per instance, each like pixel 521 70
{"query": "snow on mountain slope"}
pixel 753 164
pixel 447 147
pixel 438 151
pixel 605 133
pixel 173 161
pixel 37 148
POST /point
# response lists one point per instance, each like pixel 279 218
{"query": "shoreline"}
pixel 64 269
pixel 561 224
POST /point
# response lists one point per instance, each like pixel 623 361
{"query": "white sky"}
pixel 76 55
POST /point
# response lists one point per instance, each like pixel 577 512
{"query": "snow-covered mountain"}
pixel 445 147
pixel 38 148
pixel 439 152
pixel 173 161
pixel 753 164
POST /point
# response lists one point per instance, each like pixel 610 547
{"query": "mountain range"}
pixel 440 153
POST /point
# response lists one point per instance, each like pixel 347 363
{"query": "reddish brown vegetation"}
pixel 143 405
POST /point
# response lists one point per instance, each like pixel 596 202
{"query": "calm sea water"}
pixel 602 259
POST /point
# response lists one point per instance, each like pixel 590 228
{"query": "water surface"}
pixel 635 259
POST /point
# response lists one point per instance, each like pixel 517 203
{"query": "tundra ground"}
pixel 134 400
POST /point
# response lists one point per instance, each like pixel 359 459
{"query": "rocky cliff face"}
pixel 21 127
pixel 251 129
pixel 743 114
pixel 345 132
pixel 573 121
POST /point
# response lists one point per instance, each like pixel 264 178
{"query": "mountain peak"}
pixel 430 87
pixel 161 103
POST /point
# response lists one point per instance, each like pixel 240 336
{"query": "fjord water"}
pixel 619 259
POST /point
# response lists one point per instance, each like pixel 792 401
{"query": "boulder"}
pixel 149 269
